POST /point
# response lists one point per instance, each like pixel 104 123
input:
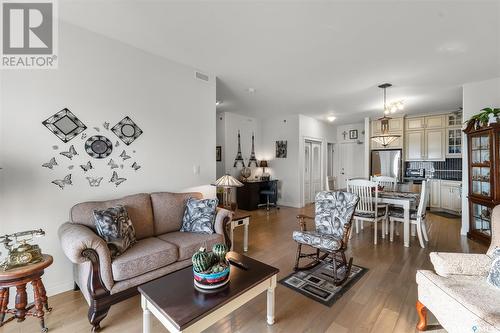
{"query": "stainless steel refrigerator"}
pixel 387 163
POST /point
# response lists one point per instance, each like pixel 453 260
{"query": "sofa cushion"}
pixel 190 242
pixel 145 256
pixel 168 209
pixel 138 208
pixel 115 227
pixel 494 273
pixel 199 216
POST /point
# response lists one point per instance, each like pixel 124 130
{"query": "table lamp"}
pixel 227 182
pixel 263 165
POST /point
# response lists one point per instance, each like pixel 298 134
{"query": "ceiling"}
pixel 310 57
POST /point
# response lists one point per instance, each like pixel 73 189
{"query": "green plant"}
pixel 220 250
pixel 483 116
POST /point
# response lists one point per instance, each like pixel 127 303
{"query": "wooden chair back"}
pixel 367 197
pixel 424 199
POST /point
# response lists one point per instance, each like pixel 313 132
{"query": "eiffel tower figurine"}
pixel 239 158
pixel 252 155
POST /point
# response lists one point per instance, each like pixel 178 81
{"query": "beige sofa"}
pixel 161 248
pixel 457 292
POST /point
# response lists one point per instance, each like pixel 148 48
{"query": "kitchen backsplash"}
pixel 450 169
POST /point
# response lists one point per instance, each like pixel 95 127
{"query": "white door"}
pixel 446 200
pixel 307 173
pixel 315 169
pixel 351 162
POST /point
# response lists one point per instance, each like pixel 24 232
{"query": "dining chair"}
pixel 388 183
pixel 368 209
pixel 417 216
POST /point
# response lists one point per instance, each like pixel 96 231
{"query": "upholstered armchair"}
pixel 457 293
pixel 333 214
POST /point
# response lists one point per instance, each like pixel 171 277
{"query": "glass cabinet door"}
pixel 481 165
pixel 481 219
pixel 454 141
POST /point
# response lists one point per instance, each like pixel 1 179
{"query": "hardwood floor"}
pixel 382 301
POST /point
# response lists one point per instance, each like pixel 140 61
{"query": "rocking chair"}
pixel 334 211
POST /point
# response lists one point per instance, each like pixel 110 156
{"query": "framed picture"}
pixel 353 134
pixel 218 153
pixel 281 147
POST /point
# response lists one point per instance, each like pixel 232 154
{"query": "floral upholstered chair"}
pixel 334 211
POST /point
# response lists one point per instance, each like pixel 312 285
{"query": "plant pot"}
pixel 211 280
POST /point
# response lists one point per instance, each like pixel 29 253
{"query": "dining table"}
pixel 404 200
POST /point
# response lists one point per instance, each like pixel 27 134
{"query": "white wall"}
pixel 476 96
pixel 284 169
pixel 341 129
pixel 99 79
pixel 220 121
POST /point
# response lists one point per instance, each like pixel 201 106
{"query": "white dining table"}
pixel 402 199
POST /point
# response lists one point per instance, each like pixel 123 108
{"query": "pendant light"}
pixel 385 138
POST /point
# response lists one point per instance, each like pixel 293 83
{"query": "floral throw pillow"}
pixel 494 275
pixel 199 216
pixel 114 226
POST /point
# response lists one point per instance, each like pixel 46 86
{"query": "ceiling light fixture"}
pixel 331 118
pixel 385 139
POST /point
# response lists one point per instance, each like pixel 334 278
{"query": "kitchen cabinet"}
pixel 427 122
pixel 435 193
pixel 415 123
pixel 451 198
pixel 434 121
pixel 425 145
pixel 454 142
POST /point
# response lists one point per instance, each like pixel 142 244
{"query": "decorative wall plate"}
pixel 127 130
pixel 65 125
pixel 98 146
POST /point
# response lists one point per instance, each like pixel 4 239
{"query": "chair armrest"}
pixel 302 222
pixel 222 220
pixel 80 244
pixel 446 264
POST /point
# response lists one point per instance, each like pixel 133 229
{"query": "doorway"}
pixel 350 165
pixel 312 170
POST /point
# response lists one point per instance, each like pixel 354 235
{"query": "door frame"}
pixel 302 164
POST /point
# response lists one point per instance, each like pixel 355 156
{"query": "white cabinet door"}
pixel 435 193
pixel 453 142
pixel 456 199
pixel 315 169
pixel 414 145
pixel 435 122
pixel 446 201
pixel 415 123
pixel 434 145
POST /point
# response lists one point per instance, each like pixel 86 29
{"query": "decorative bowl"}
pixel 211 280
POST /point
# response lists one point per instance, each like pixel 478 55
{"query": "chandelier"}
pixel 385 138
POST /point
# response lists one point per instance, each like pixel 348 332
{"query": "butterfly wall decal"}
pixel 86 167
pixel 135 166
pixel 124 155
pixel 50 164
pixel 116 180
pixel 112 164
pixel 106 125
pixel 63 182
pixel 70 153
pixel 84 135
pixel 94 181
pixel 117 144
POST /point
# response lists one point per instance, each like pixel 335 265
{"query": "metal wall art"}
pixel 127 130
pixel 50 164
pixel 70 153
pixel 124 155
pixel 116 180
pixel 135 166
pixel 98 146
pixel 63 182
pixel 86 167
pixel 252 158
pixel 94 181
pixel 239 157
pixel 112 164
pixel 65 125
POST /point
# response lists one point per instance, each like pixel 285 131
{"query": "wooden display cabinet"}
pixel 484 178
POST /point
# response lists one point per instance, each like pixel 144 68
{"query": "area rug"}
pixel 445 214
pixel 317 282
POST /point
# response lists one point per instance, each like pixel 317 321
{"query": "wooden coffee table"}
pixel 180 307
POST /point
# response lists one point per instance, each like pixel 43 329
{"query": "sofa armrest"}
pixel 80 244
pixel 222 220
pixel 446 264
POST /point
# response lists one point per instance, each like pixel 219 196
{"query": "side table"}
pixel 18 278
pixel 237 221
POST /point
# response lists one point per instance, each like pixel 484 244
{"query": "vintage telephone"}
pixel 20 252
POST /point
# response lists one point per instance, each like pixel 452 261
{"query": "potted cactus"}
pixel 210 269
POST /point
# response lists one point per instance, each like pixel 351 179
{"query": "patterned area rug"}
pixel 316 283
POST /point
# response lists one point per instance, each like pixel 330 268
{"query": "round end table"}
pixel 18 278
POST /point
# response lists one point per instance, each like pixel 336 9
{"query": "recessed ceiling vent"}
pixel 201 76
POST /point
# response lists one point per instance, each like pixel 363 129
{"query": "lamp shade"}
pixel 227 181
pixel 263 164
